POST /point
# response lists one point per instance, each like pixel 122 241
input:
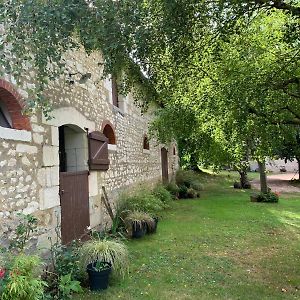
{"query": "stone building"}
pixel 55 168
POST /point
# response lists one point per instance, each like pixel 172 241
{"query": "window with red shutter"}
pixel 98 151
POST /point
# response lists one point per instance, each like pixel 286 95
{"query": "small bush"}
pixel 190 179
pixel 163 195
pixel 191 193
pixel 196 185
pixel 183 191
pixel 141 200
pixel 173 188
pixel 23 281
pixel 189 183
pixel 269 197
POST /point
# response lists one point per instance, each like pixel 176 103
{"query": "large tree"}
pixel 136 36
pixel 232 64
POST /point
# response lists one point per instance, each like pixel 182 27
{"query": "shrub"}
pixel 196 185
pixel 190 179
pixel 173 188
pixel 269 197
pixel 23 281
pixel 64 276
pixel 191 193
pixel 141 200
pixel 183 191
pixel 162 194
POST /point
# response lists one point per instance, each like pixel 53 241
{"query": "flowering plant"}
pixel 2 273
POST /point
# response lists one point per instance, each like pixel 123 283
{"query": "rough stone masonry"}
pixel 30 161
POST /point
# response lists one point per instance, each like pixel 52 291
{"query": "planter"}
pixel 98 279
pixel 152 229
pixel 138 230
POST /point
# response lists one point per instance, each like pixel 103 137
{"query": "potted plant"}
pixel 100 257
pixel 152 229
pixel 138 222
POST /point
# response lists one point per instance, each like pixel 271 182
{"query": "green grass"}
pixel 220 246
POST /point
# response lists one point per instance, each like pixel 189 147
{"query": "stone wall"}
pixel 29 159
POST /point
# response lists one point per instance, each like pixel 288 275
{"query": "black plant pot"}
pixel 98 279
pixel 138 230
pixel 153 229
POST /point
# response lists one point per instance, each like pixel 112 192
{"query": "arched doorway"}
pixel 164 165
pixel 74 193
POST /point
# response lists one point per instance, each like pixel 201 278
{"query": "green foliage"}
pixel 101 266
pixel 64 259
pixel 23 282
pixel 162 194
pixel 173 188
pixel 183 191
pixel 64 271
pixel 191 193
pixel 141 200
pixel 189 183
pixel 26 227
pixel 113 252
pixel 138 219
pixel 269 197
pixel 189 179
pixel 68 286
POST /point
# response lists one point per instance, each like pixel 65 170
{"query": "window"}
pixel 114 91
pixel 118 100
pixel 5 120
pixel 174 150
pixel 109 133
pixel 11 105
pixel 146 143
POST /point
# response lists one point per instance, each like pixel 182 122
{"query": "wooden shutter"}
pixel 98 151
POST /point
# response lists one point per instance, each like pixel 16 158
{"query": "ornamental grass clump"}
pixel 138 219
pixel 141 200
pixel 109 251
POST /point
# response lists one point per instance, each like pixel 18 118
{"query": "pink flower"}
pixel 2 273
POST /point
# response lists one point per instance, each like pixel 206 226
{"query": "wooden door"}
pixel 164 165
pixel 74 199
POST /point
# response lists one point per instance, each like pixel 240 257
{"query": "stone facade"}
pixel 29 151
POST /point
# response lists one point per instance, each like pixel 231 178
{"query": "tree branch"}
pixel 280 4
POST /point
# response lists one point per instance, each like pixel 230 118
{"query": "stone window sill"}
pixel 146 151
pixel 15 135
pixel 112 147
pixel 118 110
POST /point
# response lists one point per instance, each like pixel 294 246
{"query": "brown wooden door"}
pixel 164 165
pixel 74 199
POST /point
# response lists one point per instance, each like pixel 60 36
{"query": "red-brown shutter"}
pixel 98 151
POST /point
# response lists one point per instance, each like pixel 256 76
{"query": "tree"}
pixel 135 37
pixel 290 148
pixel 232 64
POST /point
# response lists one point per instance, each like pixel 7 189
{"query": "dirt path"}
pixel 279 183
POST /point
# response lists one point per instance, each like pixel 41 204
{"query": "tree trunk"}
pixel 243 178
pixel 298 161
pixel 263 177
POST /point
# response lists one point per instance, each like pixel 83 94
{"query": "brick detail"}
pixel 15 104
pixel 109 132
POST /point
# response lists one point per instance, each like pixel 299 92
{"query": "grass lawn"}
pixel 220 246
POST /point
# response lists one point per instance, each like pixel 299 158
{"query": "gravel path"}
pixel 279 183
